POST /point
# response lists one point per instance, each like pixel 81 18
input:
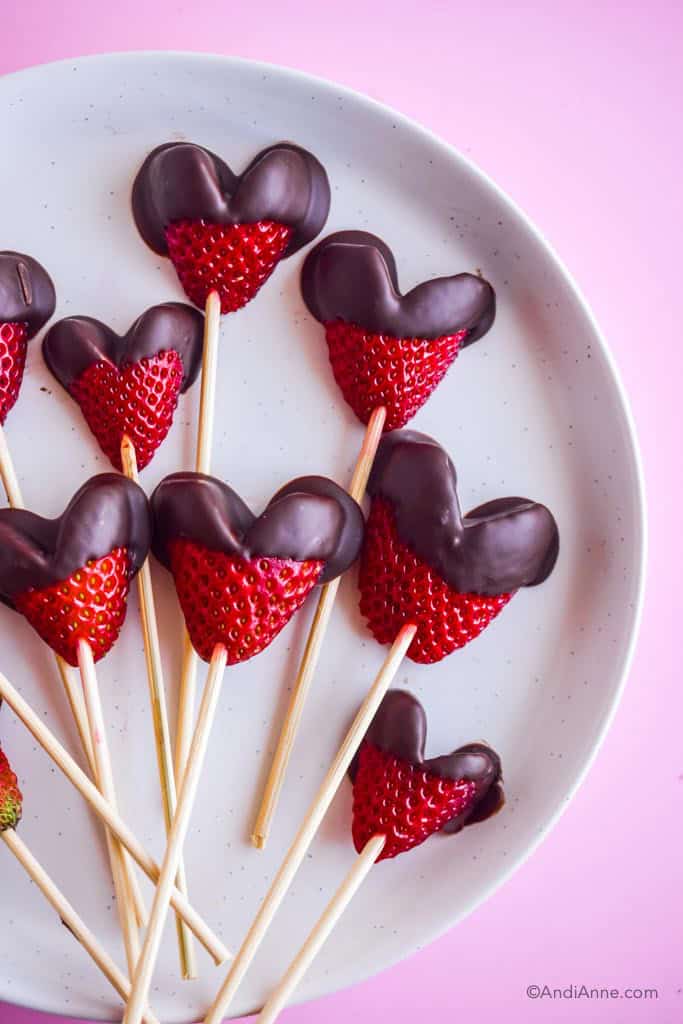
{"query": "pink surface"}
pixel 575 110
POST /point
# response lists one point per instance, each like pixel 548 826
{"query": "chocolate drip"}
pixel 352 276
pixel 310 518
pixel 494 549
pixel 107 512
pixel 400 728
pixel 77 342
pixel 183 181
pixel 27 294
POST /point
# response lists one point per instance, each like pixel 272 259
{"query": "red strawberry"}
pixel 89 605
pixel 240 603
pixel 398 587
pixel 232 259
pixel 402 801
pixel 377 369
pixel 13 343
pixel 138 400
pixel 10 796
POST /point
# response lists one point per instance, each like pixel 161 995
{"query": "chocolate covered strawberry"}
pixel 385 348
pixel 27 301
pixel 128 386
pixel 225 232
pixel 240 577
pixel 405 798
pixel 11 799
pixel 69 577
pixel 423 562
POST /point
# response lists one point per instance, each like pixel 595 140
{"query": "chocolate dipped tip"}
pixel 399 728
pixel 184 181
pixel 108 512
pixel 310 519
pixel 74 344
pixel 27 294
pixel 352 276
pixel 496 548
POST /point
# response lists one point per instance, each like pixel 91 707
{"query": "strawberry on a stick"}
pixel 225 234
pixel 424 562
pixel 239 578
pixel 91 794
pixel 310 825
pixel 399 800
pixel 27 301
pixel 11 804
pixel 69 577
pixel 128 389
pixel 388 352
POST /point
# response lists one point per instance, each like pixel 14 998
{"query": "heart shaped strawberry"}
pixel 423 562
pixel 239 577
pixel 11 800
pixel 400 795
pixel 128 386
pixel 69 577
pixel 27 301
pixel 387 348
pixel 225 232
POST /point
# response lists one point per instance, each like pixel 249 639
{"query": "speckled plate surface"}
pixel 535 408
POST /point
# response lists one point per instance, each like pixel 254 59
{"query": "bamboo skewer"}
pixel 69 917
pixel 310 825
pixel 109 816
pixel 322 930
pixel 8 474
pixel 316 637
pixel 121 869
pixel 188 791
pixel 159 706
pixel 187 693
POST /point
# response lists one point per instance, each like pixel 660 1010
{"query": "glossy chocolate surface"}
pixel 310 518
pixel 107 512
pixel 352 276
pixel 496 548
pixel 77 342
pixel 27 294
pixel 400 728
pixel 183 181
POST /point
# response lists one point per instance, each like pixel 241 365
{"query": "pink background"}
pixel 574 109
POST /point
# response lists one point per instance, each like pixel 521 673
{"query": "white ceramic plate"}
pixel 535 408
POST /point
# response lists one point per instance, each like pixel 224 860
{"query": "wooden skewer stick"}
pixel 121 869
pixel 70 918
pixel 316 637
pixel 181 822
pixel 74 695
pixel 162 734
pixel 187 693
pixel 8 473
pixel 109 816
pixel 322 930
pixel 310 825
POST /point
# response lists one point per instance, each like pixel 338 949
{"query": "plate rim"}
pixel 640 557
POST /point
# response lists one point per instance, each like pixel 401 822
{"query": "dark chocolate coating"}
pixel 494 549
pixel 310 518
pixel 400 728
pixel 27 294
pixel 107 512
pixel 352 276
pixel 183 181
pixel 77 342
